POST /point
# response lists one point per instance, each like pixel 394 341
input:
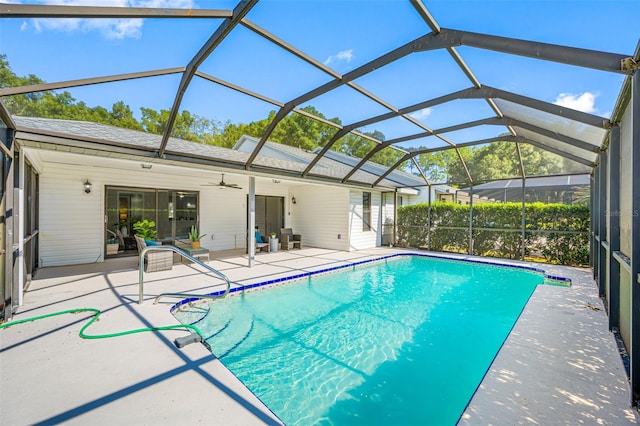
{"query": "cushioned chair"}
pixel 262 244
pixel 289 240
pixel 155 260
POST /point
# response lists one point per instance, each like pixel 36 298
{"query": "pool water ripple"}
pixel 405 341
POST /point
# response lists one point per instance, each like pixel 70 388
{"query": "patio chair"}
pixel 262 244
pixel 155 261
pixel 289 240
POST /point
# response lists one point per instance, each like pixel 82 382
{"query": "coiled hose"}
pixel 196 336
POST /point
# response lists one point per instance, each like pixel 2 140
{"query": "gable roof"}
pixel 340 163
pixel 100 139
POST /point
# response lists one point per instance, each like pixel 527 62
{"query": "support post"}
pixel 524 221
pixel 602 225
pixel 613 189
pixel 471 219
pixel 251 250
pixel 635 238
pixel 9 257
pixel 429 219
pixel 592 235
pixel 596 223
pixel 18 227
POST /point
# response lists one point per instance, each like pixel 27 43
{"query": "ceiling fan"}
pixel 223 184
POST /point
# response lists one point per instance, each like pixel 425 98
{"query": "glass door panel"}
pixel 186 213
pixel 164 219
pixel 174 212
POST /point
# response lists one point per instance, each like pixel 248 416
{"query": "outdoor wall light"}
pixel 87 186
pixel 146 166
pixel 293 200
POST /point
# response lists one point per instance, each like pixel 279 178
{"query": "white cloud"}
pixel 345 55
pixel 421 114
pixel 584 102
pixel 109 28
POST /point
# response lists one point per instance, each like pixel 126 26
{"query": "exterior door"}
pixel 269 214
pixel 174 212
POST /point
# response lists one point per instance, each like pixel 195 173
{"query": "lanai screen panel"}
pixel 577 151
pixel 555 123
pixel 373 74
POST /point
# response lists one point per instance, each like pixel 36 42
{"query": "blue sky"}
pixel 341 34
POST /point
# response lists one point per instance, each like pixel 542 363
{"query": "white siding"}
pixel 223 213
pixel 72 222
pixel 223 218
pixel 71 231
pixel 358 238
pixel 320 216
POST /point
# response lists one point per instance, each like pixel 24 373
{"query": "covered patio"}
pixel 559 365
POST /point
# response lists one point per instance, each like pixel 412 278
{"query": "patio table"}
pixel 199 253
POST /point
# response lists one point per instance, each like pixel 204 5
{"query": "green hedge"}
pixel 450 230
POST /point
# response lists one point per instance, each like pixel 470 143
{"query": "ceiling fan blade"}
pixel 222 184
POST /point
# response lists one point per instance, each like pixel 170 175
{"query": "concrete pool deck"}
pixel 560 364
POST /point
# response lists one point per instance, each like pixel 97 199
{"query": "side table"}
pixel 199 253
pixel 273 244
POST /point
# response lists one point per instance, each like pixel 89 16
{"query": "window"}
pixel 174 212
pixel 366 211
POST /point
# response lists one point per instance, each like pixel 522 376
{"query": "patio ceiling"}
pixel 501 115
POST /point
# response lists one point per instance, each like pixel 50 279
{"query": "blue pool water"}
pixel 404 341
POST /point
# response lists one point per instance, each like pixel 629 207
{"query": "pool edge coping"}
pixel 460 258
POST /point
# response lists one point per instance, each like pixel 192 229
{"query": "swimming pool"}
pixel 403 341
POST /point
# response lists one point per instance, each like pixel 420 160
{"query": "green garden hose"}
pixel 179 342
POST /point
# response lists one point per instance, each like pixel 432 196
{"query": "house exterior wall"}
pixel 328 206
pixel 360 239
pixel 72 222
pixel 223 218
pixel 71 227
pixel 223 213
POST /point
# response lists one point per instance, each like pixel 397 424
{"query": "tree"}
pixel 497 160
pixel 59 105
pixel 491 161
pixel 437 165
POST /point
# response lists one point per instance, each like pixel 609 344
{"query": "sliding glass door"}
pixel 174 212
pixel 269 214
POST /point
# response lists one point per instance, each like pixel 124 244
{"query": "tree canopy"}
pixel 496 160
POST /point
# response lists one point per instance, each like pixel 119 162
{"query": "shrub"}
pixel 449 229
